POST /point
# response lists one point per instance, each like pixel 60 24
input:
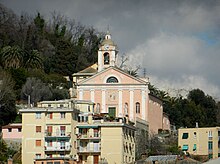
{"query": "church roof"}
pixel 89 70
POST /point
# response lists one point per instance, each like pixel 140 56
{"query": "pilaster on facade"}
pixel 131 93
pixel 121 113
pixel 103 109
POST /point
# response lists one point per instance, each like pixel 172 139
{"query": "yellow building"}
pixel 47 131
pixel 200 141
pixel 102 140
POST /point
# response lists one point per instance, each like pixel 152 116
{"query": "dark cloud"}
pixel 177 41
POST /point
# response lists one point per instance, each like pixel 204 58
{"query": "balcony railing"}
pixel 57 148
pixel 87 136
pixel 89 149
pixel 58 134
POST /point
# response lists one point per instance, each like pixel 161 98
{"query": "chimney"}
pixel 197 125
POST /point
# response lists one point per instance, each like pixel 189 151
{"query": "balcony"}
pixel 94 136
pixel 59 135
pixel 57 148
pixel 96 149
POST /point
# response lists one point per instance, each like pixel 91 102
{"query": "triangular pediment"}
pixel 101 77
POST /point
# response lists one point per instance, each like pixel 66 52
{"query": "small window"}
pixel 194 147
pixel 185 147
pixel 38 129
pixel 19 129
pixel 38 156
pixel 194 134
pixel 137 107
pixel 49 143
pixel 210 135
pixel 112 79
pixel 50 115
pixel 126 109
pixel 185 135
pixel 62 115
pixel 9 130
pixel 38 143
pixel 210 145
pixel 38 115
pixel 88 108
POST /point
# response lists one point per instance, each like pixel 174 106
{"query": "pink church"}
pixel 116 92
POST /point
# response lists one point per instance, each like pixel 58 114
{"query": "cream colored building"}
pixel 200 141
pixel 48 131
pixel 101 140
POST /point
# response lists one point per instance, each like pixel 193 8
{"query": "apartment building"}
pixel 102 140
pixel 200 141
pixel 47 136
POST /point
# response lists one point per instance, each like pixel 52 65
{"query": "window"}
pixel 185 148
pixel 185 135
pixel 126 109
pixel 49 130
pixel 88 108
pixel 56 162
pixel 98 108
pixel 38 115
pixel 38 129
pixel 210 146
pixel 19 129
pixel 62 145
pixel 112 79
pixel 61 105
pixel 194 147
pixel 106 58
pixel 38 143
pixel 49 143
pixel 50 162
pixel 62 115
pixel 62 130
pixel 210 135
pixel 137 107
pixel 194 134
pixel 9 129
pixel 50 115
pixel 49 105
pixel 38 156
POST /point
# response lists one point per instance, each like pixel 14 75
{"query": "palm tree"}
pixel 12 56
pixel 33 60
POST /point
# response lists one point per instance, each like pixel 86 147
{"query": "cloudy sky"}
pixel 176 41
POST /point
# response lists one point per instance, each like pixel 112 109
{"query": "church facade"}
pixel 117 93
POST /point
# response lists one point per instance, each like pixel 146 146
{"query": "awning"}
pixel 185 147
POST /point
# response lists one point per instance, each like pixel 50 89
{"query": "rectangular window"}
pixel 38 129
pixel 38 156
pixel 50 115
pixel 49 130
pixel 62 145
pixel 49 143
pixel 62 115
pixel 210 145
pixel 38 115
pixel 9 129
pixel 194 147
pixel 185 135
pixel 210 135
pixel 19 129
pixel 185 147
pixel 56 162
pixel 38 143
pixel 62 130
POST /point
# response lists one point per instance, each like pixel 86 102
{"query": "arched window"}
pixel 106 58
pixel 112 79
pixel 137 107
pixel 126 109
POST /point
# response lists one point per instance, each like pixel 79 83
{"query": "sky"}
pixel 177 42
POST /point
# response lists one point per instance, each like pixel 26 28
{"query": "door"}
pixel 112 111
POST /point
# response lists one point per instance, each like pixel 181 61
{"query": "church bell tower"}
pixel 107 53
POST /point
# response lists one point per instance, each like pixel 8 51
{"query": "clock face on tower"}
pixel 106 46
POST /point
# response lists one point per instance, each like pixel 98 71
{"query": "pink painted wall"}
pixel 14 134
pixel 155 115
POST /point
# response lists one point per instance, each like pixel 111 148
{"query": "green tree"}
pixel 12 56
pixel 7 99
